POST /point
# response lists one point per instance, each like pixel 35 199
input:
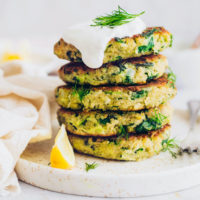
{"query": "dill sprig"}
pixel 81 91
pixel 123 132
pixel 116 18
pixel 171 146
pixel 171 77
pixel 153 123
pixel 90 166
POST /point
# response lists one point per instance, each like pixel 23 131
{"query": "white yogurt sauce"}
pixel 91 41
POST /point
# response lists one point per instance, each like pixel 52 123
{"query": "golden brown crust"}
pixel 157 83
pixel 82 68
pixel 158 30
pixel 131 136
pixel 134 148
pixel 64 115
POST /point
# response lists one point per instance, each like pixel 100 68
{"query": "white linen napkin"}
pixel 24 118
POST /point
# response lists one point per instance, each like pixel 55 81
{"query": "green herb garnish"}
pixel 118 58
pixel 146 48
pixel 152 123
pixel 81 91
pixel 151 77
pixel 83 122
pixel 121 68
pixel 116 18
pixel 107 119
pixel 108 92
pixel 171 146
pixel 128 79
pixel 123 131
pixel 119 40
pixel 149 32
pixel 140 149
pixel 90 166
pixel 76 79
pixel 171 78
pixel 139 94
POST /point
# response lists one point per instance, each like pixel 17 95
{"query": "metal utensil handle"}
pixel 193 107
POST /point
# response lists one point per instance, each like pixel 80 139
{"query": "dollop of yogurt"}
pixel 91 41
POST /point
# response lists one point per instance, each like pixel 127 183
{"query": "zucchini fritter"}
pixel 126 72
pixel 124 98
pixel 103 124
pixel 151 41
pixel 133 148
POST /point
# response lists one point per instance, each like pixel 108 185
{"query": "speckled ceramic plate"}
pixel 157 175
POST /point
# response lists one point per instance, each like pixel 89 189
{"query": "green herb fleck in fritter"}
pixel 81 91
pixel 107 119
pixel 150 124
pixel 140 149
pixel 119 40
pixel 151 77
pixel 146 48
pixel 123 132
pixel 149 32
pixel 139 94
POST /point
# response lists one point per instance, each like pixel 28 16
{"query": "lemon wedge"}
pixel 62 154
pixel 10 56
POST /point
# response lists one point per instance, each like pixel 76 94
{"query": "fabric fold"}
pixel 25 118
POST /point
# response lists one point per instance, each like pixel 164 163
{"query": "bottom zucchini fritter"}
pixel 133 148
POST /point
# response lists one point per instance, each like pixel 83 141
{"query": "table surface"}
pixel 31 192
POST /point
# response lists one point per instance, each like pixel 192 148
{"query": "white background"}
pixel 36 18
pixel 42 23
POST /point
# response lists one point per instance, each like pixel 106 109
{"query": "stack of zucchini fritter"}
pixel 120 110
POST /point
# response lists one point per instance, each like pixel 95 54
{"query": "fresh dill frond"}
pixel 90 166
pixel 116 18
pixel 139 94
pixel 171 78
pixel 159 118
pixel 171 146
pixel 81 91
pixel 123 132
pixel 153 123
pixel 148 47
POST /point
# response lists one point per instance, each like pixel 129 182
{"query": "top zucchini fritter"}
pixel 126 72
pixel 151 41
